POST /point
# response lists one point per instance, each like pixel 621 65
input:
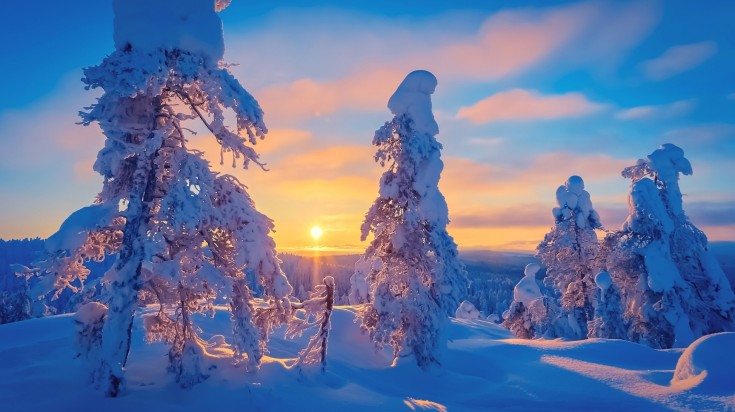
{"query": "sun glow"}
pixel 316 232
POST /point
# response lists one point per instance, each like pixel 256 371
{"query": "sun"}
pixel 316 232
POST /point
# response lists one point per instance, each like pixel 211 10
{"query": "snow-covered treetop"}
pixel 663 166
pixel 148 25
pixel 574 203
pixel 413 99
pixel 603 280
pixel 527 288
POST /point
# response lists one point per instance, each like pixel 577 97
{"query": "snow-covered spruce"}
pixel 672 288
pixel 89 321
pixel 531 313
pixel 416 278
pixel 568 252
pixel 183 233
pixel 608 321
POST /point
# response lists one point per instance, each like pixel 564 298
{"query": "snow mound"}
pixel 707 365
pixel 413 98
pixel 468 311
pixel 150 25
pixel 527 288
pixel 90 313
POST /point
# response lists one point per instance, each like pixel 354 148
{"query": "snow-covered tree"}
pixel 608 320
pixel 359 288
pixel 467 310
pixel 415 278
pixel 672 288
pixel 182 232
pixel 568 252
pixel 317 312
pixel 531 314
pixel 89 322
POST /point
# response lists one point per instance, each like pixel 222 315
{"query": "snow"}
pixel 73 232
pixel 484 368
pixel 527 288
pixel 467 310
pixel 150 25
pixel 413 98
pixel 707 365
pixel 668 161
pixel 603 281
pixel 574 201
pixel 90 313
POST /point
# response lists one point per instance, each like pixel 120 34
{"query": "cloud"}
pixel 505 216
pixel 520 104
pixel 306 98
pixel 664 111
pixel 703 134
pixel 678 59
pixel 457 48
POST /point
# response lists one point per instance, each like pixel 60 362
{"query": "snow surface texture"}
pixel 148 25
pixel 484 369
pixel 413 98
pixel 527 289
pixel 708 365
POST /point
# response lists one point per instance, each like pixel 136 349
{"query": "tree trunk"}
pixel 124 289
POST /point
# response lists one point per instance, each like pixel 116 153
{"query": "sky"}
pixel 528 95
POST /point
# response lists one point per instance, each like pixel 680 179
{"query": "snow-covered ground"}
pixel 484 369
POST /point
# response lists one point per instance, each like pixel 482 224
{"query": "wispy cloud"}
pixel 520 104
pixel 657 112
pixel 506 44
pixel 678 59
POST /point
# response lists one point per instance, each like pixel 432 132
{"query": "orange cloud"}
pixel 519 104
pixel 308 98
pixel 507 43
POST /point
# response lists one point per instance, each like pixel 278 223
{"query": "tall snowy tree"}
pixel 568 252
pixel 672 288
pixel 415 278
pixel 181 231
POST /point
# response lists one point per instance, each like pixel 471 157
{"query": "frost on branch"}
pixel 415 277
pixel 672 288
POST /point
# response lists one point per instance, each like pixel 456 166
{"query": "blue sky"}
pixel 527 96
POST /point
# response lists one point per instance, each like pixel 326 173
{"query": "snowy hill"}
pixel 484 369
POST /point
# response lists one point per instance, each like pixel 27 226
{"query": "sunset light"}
pixel 316 232
pixel 367 205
